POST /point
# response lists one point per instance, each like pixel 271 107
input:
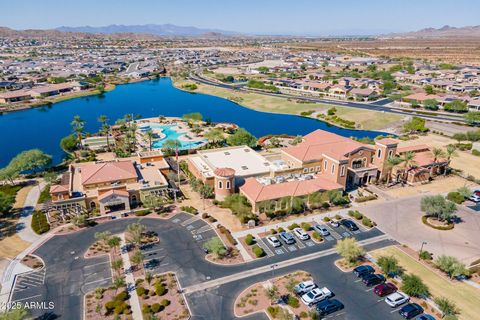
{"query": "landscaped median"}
pixel 262 297
pixel 465 297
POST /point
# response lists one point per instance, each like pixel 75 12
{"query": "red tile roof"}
pixel 122 193
pixel 58 188
pixel 257 191
pixel 107 172
pixel 319 142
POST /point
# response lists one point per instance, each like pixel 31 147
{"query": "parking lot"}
pixel 337 233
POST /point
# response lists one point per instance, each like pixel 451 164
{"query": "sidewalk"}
pixel 26 232
pixel 130 281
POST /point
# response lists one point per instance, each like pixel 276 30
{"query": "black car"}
pixel 373 279
pixel 410 310
pixel 362 270
pixel 350 225
pixel 329 306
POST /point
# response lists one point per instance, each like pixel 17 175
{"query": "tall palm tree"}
pixel 450 152
pixel 149 135
pixel 390 164
pixel 437 154
pixel 408 161
pixel 114 242
pixel 78 125
pixel 118 282
pixel 105 128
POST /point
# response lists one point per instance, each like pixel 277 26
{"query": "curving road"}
pixel 367 106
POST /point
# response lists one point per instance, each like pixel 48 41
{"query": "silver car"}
pixel 321 230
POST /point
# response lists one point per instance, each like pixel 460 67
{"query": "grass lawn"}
pixel 368 120
pixel 45 194
pixel 466 298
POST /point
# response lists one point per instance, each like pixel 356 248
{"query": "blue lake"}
pixel 44 127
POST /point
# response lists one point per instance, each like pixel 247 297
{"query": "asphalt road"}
pixel 68 276
pixel 367 106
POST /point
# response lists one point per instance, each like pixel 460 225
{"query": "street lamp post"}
pixel 273 269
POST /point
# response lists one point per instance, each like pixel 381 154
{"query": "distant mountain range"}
pixel 163 30
pixel 443 32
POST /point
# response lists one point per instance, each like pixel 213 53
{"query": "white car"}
pixel 316 295
pixel 274 241
pixel 321 230
pixel 334 223
pixel 304 287
pixel 475 198
pixel 397 298
pixel 301 234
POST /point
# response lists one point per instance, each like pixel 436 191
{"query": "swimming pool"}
pixel 171 133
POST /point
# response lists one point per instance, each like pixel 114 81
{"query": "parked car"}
pixel 397 298
pixel 384 289
pixel 410 310
pixel 274 241
pixel 304 287
pixel 287 238
pixel 301 234
pixel 316 295
pixel 425 317
pixel 329 306
pixel 362 270
pixel 321 230
pixel 334 224
pixel 373 279
pixel 350 225
pixel 474 197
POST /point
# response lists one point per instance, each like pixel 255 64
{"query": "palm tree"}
pixel 149 135
pixel 437 153
pixel 135 230
pixel 78 125
pixel 104 236
pixel 148 277
pixel 390 164
pixel 113 243
pixel 117 264
pixel 450 153
pixel 408 161
pixel 137 257
pixel 118 282
pixel 105 127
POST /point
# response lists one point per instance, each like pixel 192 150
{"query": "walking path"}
pixel 26 232
pixel 130 280
pixel 278 265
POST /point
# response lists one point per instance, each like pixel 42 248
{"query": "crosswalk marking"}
pixel 189 221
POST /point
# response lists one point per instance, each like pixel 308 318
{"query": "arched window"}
pixel 93 205
pixel 220 185
pixel 134 198
pixel 379 153
pixel 227 185
pixel 357 163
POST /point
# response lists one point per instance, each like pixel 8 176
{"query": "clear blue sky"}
pixel 307 17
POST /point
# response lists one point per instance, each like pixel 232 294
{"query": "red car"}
pixel 384 289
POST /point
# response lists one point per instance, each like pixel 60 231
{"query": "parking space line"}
pixel 380 300
pixel 264 247
pixel 100 280
pixel 150 251
pixel 27 281
pixel 396 310
pixel 369 289
pixel 33 276
pixel 38 295
pixel 202 229
pixel 96 264
pixel 189 221
pixel 164 264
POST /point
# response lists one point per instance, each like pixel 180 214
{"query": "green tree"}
pixel 31 160
pixel 206 191
pixel 137 257
pixel 431 104
pixel 349 249
pixel 6 202
pixel 114 242
pixel 69 143
pixel 272 292
pixel 214 136
pixel 438 207
pixel 390 164
pixel 136 230
pixel 451 266
pixel 456 106
pixel 215 246
pixel 242 137
pixel 465 192
pixel 105 128
pixel 415 125
pixel 429 89
pixel 103 236
pixel 408 160
pixel 192 117
pixel 446 306
pixel 15 314
pixel 118 282
pixel 148 136
pixel 473 118
pixel 414 286
pixel 389 265
pixel 170 145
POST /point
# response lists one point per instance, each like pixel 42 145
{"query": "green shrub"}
pixel 293 302
pixel 326 219
pixel 110 306
pixel 146 309
pixel 456 197
pixel 425 255
pixel 317 236
pixel 293 226
pixel 358 215
pixel 122 296
pixel 281 229
pixel 160 289
pixel 140 291
pixel 156 307
pixel 273 231
pixel 476 152
pixel 165 302
pixel 189 209
pixel 273 311
pixel 449 226
pixel 367 222
pixel 249 239
pixel 338 217
pixel 258 251
pixel 325 205
pixel 39 222
pixel 351 213
pixel 306 226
